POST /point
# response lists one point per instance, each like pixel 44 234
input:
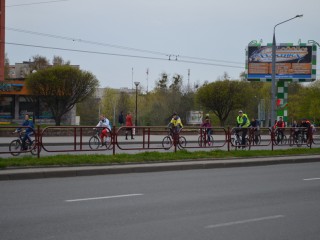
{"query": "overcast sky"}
pixel 152 30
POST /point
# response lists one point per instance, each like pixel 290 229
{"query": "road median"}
pixel 173 165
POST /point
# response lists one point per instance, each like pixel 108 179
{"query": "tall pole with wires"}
pixel 273 67
pixel 2 39
pixel 189 80
pixel 132 78
pixel 147 80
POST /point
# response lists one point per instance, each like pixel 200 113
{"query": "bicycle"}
pixel 255 136
pixel 236 140
pixel 203 138
pixel 167 141
pixel 280 139
pixel 95 141
pixel 15 146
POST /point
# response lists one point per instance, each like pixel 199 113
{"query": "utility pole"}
pixel 147 80
pixel 2 38
pixel 189 80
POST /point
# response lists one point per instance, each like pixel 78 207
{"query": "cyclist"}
pixel 306 124
pixel 255 124
pixel 243 123
pixel 279 128
pixel 105 124
pixel 208 128
pixel 28 123
pixel 295 130
pixel 175 124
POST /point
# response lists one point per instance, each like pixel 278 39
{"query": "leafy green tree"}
pixel 61 87
pixel 222 97
pixel 57 60
pixel 88 110
pixel 39 62
pixel 162 83
pixel 314 101
pixel 125 103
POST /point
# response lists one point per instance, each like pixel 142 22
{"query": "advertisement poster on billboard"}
pixel 194 117
pixel 292 62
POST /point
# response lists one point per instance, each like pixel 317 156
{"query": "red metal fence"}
pixel 67 139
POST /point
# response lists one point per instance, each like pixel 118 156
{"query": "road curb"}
pixel 58 172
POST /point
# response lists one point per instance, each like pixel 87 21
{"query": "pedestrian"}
pixel 121 119
pixel 129 125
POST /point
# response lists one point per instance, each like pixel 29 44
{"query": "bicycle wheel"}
pixel 299 140
pixel 236 144
pixel 291 141
pixel 284 140
pixel 109 143
pixel 182 142
pixel 233 142
pixel 247 144
pixel 276 139
pixel 308 142
pixel 34 148
pixel 201 141
pixel 15 147
pixel 167 143
pixel 211 140
pixel 94 142
pixel 257 140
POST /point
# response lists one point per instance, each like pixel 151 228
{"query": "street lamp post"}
pixel 273 77
pixel 136 120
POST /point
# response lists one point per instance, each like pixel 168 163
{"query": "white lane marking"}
pixel 311 179
pixel 244 221
pixel 107 197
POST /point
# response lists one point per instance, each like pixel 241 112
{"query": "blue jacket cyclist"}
pixel 28 123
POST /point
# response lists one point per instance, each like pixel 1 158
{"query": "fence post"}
pixel 310 138
pixel 38 144
pixel 113 139
pixel 272 138
pixel 228 138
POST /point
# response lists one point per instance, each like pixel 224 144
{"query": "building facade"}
pixel 15 100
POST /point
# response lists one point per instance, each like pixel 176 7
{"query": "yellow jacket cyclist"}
pixel 243 122
pixel 175 123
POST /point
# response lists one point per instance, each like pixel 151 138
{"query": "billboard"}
pixel 194 117
pixel 297 63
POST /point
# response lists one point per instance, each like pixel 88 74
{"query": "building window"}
pixel 26 106
pixel 7 107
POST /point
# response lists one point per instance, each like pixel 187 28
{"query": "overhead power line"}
pixel 84 41
pixel 168 55
pixel 36 3
pixel 119 55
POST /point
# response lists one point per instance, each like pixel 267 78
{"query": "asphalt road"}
pixel 268 202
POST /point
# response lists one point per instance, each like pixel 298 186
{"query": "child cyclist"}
pixel 105 124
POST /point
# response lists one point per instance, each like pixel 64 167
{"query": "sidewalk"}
pixel 57 172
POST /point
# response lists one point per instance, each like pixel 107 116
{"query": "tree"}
pixel 39 62
pixel 57 60
pixel 61 87
pixel 222 97
pixel 161 84
pixel 88 110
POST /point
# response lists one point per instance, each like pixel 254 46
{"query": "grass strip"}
pixel 144 157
